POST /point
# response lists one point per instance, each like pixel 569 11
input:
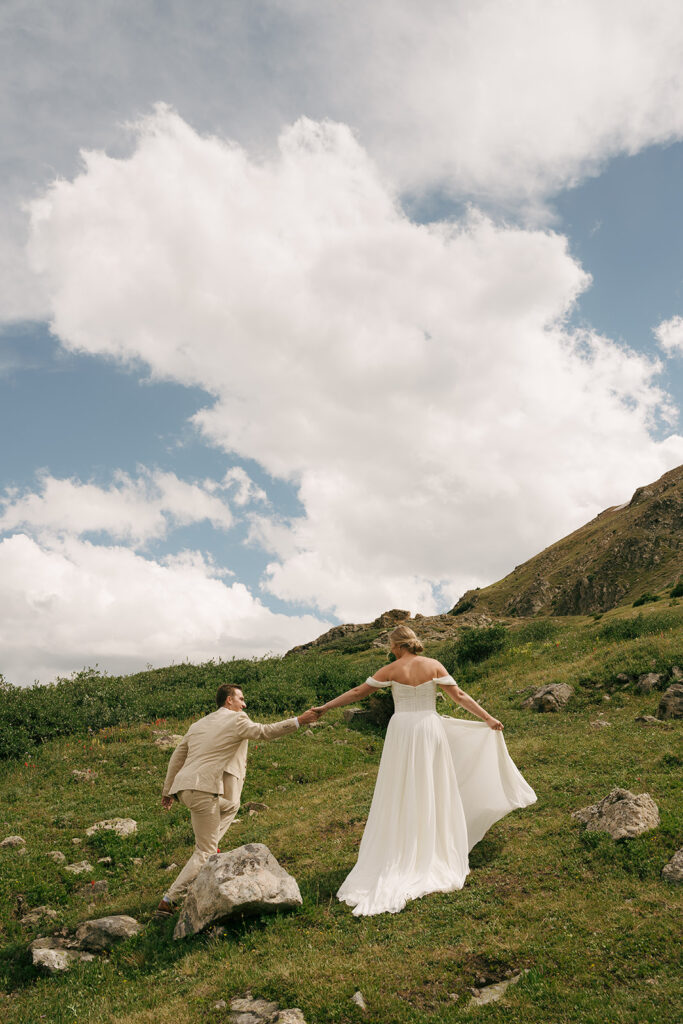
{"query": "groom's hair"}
pixel 224 691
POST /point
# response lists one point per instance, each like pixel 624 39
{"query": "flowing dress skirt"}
pixel 442 783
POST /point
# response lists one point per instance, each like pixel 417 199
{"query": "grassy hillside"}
pixel 623 553
pixel 591 919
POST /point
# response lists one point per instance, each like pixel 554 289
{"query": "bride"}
pixel 442 783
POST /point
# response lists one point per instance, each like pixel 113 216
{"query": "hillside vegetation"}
pixel 591 919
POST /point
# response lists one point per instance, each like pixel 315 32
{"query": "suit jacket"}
pixel 217 745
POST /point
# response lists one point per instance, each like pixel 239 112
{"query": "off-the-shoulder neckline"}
pixel 411 686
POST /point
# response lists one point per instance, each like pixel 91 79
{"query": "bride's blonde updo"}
pixel 403 636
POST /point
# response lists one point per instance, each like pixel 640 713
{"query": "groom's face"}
pixel 235 701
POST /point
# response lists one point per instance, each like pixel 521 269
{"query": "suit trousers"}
pixel 211 817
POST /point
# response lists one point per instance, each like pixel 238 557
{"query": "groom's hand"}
pixel 308 717
pixel 167 802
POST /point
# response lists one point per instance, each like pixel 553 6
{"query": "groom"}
pixel 206 773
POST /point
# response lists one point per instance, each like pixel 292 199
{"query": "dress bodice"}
pixel 412 698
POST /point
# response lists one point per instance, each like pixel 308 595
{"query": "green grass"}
pixel 591 919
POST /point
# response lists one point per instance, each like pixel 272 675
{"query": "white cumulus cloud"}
pixel 669 335
pixel 418 384
pixel 66 603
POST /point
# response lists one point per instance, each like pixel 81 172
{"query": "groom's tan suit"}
pixel 206 773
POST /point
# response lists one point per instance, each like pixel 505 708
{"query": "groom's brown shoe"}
pixel 164 910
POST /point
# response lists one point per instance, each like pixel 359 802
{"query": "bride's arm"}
pixel 459 696
pixel 357 693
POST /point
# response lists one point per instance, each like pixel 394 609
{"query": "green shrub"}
pixel 641 625
pixel 476 645
pixel 677 591
pixel 645 599
pixel 535 630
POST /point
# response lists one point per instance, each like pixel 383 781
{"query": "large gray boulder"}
pixel 649 681
pixel 552 697
pixel 247 880
pixel 671 704
pixel 104 932
pixel 621 813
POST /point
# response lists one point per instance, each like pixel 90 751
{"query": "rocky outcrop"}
pixel 549 698
pixel 649 681
pixel 12 843
pixel 621 813
pixel 248 1010
pixel 671 704
pixel 247 880
pixel 104 932
pixel 79 868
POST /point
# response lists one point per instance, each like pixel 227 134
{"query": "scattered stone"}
pixel 492 993
pixel 648 682
pixel 168 739
pixel 357 998
pixel 57 856
pixel 247 880
pixel 55 959
pixel 354 714
pixel 98 888
pixel 173 867
pixel 122 826
pixel 309 732
pixel 600 723
pixel 676 674
pixel 76 842
pixel 340 743
pixel 649 720
pixel 136 860
pixel 606 696
pixel 621 813
pixel 103 932
pixel 248 1010
pixel 549 698
pixel 36 916
pixel 671 704
pixel 291 1016
pixel 84 776
pixel 622 679
pixel 13 842
pixel 254 805
pixel 220 1005
pixel 673 871
pixel 104 860
pixel 79 868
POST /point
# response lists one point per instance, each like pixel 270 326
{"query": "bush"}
pixel 645 599
pixel 535 630
pixel 477 644
pixel 677 591
pixel 641 625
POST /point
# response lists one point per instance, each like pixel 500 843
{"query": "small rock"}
pixel 13 842
pixel 104 860
pixel 290 1016
pixel 136 860
pixel 254 805
pixel 247 1009
pixel 103 932
pixel 492 993
pixel 357 998
pixel 600 723
pixel 649 720
pixel 247 880
pixel 168 739
pixel 606 696
pixel 76 842
pixel 351 714
pixel 453 996
pixel 673 871
pixel 309 732
pixel 549 698
pixel 220 1005
pixel 122 826
pixel 98 888
pixel 57 856
pixel 79 868
pixel 676 674
pixel 622 679
pixel 55 959
pixel 84 776
pixel 171 867
pixel 36 916
pixel 671 704
pixel 648 682
pixel 621 813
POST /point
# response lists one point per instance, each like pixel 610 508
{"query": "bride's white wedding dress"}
pixel 442 783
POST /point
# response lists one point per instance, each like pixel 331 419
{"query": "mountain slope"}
pixel 623 553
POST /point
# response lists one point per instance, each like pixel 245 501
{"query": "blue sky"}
pixel 386 339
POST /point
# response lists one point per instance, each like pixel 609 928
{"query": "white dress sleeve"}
pixel 376 683
pixel 446 680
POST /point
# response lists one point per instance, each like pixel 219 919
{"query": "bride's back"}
pixel 413 671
